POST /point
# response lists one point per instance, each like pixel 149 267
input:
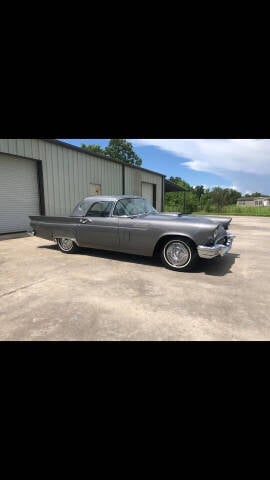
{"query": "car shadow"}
pixel 117 256
pixel 218 266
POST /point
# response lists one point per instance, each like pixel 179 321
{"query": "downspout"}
pixel 162 193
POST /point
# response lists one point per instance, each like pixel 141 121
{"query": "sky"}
pixel 242 164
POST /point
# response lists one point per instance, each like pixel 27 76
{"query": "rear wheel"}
pixel 179 254
pixel 66 245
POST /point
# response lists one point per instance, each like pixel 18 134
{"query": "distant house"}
pixel 254 202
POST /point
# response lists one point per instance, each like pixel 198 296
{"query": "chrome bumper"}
pixel 218 249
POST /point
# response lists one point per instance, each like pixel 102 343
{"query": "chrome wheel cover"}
pixel 66 244
pixel 177 254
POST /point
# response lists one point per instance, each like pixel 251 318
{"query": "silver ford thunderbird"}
pixel 129 224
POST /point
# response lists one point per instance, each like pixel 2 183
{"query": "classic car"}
pixel 130 224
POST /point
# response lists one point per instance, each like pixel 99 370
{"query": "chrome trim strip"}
pixel 217 249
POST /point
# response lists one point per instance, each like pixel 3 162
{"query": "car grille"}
pixel 221 238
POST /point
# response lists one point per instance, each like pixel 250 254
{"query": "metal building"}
pixel 48 177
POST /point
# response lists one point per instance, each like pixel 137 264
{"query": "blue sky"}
pixel 240 164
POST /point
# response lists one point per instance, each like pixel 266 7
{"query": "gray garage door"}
pixel 19 195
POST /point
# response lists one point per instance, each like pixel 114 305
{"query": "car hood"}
pixel 186 218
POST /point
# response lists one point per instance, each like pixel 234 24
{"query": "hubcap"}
pixel 177 254
pixel 66 244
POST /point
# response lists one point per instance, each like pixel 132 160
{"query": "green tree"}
pixel 179 181
pixel 199 191
pixel 257 194
pixel 93 148
pixel 219 197
pixel 232 196
pixel 181 201
pixel 120 149
pixel 205 201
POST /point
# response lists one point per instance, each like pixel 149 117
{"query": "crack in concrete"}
pixel 22 288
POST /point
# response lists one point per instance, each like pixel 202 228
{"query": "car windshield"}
pixel 133 206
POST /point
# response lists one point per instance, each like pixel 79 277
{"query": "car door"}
pixel 98 229
pixel 135 236
pixel 134 231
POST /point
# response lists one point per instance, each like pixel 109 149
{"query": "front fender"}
pixel 173 234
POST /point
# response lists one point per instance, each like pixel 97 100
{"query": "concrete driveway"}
pixel 47 295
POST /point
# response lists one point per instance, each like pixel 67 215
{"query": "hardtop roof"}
pixel 110 197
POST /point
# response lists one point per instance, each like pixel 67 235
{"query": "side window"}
pixel 100 209
pixel 81 208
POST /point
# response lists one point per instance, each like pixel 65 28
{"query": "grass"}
pixel 237 210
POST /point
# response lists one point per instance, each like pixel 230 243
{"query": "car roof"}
pixel 107 198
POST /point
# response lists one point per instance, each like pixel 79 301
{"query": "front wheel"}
pixel 66 245
pixel 179 254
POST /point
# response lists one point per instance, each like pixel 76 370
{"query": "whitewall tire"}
pixel 179 254
pixel 66 245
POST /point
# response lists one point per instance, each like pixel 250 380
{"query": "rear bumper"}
pixel 218 249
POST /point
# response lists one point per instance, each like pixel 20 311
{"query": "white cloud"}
pixel 246 163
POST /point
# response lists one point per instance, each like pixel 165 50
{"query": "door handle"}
pixel 85 220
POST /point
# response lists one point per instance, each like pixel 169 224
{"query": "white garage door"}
pixel 147 191
pixel 19 195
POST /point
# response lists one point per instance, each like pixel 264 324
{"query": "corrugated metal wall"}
pixel 134 179
pixel 68 173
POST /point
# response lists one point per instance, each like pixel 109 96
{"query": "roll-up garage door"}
pixel 19 194
pixel 147 191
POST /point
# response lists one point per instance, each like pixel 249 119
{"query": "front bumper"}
pixel 218 249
